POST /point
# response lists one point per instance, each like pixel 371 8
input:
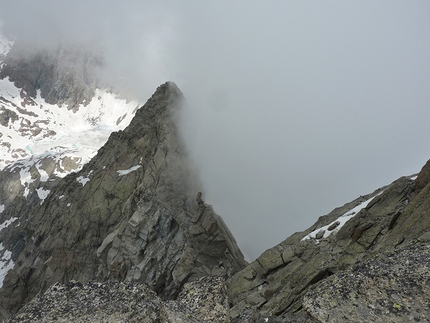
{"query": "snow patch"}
pixel 6 263
pixel 44 176
pixel 341 221
pixel 2 207
pixel 42 193
pixel 127 171
pixel 8 90
pixel 82 180
pixel 6 223
pixel 25 178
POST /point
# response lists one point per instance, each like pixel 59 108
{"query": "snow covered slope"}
pixel 41 142
pixel 31 129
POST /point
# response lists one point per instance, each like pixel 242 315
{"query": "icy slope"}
pixel 31 128
pixel 51 140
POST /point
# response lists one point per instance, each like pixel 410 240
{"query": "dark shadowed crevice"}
pixel 318 277
pixel 393 220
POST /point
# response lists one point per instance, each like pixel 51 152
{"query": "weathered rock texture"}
pixel 204 300
pixel 134 213
pixel 393 287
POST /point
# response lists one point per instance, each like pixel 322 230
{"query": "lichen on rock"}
pixel 392 287
pixel 201 301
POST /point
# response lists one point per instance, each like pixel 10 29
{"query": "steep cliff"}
pixel 135 212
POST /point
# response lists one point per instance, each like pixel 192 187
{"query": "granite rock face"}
pixel 134 213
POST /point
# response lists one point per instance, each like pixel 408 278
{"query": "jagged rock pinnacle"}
pixel 130 214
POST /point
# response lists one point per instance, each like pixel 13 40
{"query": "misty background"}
pixel 294 107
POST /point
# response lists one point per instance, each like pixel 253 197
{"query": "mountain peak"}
pixel 135 212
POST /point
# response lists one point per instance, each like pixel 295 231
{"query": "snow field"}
pixel 61 133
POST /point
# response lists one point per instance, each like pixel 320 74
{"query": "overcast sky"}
pixel 294 107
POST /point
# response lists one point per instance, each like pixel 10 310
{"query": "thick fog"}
pixel 294 107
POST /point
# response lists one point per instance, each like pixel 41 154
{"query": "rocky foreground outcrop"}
pixel 392 287
pixel 204 300
pixel 276 281
pixel 134 213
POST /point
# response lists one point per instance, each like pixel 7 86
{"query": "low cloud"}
pixel 293 108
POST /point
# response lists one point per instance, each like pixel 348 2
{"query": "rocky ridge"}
pixel 127 302
pixel 366 258
pixel 372 269
pixel 135 212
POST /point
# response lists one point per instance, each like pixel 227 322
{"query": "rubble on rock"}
pixel 392 287
pixel 204 300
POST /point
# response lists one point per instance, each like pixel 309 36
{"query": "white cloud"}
pixel 294 107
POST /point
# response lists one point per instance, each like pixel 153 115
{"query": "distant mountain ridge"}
pixel 64 75
pixel 47 96
pixel 5 46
